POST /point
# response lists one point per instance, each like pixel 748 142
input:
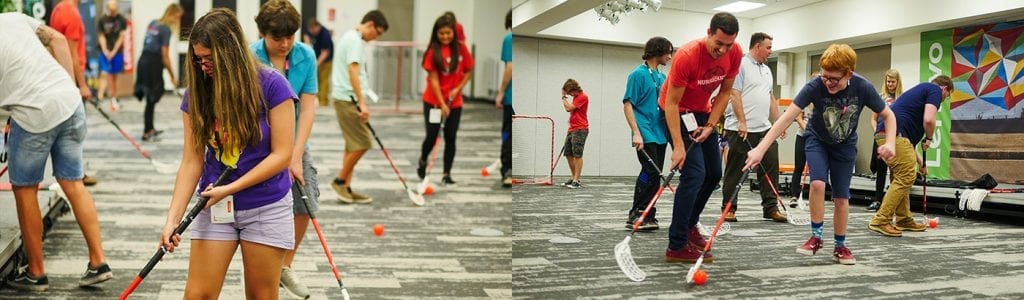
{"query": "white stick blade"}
pixel 624 257
pixel 415 197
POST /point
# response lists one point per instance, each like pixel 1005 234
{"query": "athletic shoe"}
pixel 290 282
pixel 95 275
pixel 793 202
pixel 730 216
pixel 688 254
pixel 886 230
pixel 842 255
pixel 874 206
pixel 649 224
pixel 567 183
pixel 810 247
pixel 911 226
pixel 359 198
pixel 114 105
pixel 89 180
pixel 506 182
pixel 693 237
pixel 447 181
pixel 421 170
pixel 343 193
pixel 575 184
pixel 25 282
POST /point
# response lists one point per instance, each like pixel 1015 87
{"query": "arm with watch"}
pixel 929 131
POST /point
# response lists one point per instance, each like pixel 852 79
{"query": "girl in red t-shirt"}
pixel 449 65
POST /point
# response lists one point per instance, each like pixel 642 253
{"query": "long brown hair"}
pixel 435 45
pixel 233 95
pixel 172 15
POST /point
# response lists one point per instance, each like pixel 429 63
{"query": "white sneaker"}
pixel 291 283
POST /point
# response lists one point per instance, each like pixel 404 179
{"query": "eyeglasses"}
pixel 203 61
pixel 829 79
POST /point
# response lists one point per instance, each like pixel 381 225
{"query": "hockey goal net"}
pixel 533 149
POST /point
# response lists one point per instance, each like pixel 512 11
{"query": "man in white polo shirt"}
pixel 750 114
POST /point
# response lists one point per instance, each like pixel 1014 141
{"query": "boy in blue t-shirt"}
pixel 647 124
pixel 838 96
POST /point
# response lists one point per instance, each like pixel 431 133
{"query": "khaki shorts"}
pixel 357 136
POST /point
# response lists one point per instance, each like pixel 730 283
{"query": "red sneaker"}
pixel 695 238
pixel 842 255
pixel 810 247
pixel 688 254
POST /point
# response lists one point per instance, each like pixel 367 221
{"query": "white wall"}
pixel 488 32
pixel 347 14
pixel 541 67
pixel 634 29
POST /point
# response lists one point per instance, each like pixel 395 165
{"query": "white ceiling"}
pixel 706 6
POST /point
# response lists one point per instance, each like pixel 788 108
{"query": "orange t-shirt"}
pixel 66 20
pixel 447 80
pixel 695 69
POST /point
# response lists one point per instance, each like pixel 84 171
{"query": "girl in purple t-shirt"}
pixel 236 114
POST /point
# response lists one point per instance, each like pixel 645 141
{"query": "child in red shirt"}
pixel 579 128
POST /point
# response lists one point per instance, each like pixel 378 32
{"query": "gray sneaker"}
pixel 291 283
pixel 95 275
pixel 359 198
pixel 343 192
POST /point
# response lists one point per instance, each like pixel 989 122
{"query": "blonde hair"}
pixel 172 15
pixel 233 95
pixel 892 73
pixel 839 57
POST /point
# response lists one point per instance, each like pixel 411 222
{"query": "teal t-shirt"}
pixel 642 90
pixel 506 56
pixel 300 70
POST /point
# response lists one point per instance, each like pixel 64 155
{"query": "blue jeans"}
pixel 28 151
pixel 701 172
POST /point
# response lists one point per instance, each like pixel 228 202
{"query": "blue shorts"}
pixel 114 65
pixel 312 192
pixel 29 151
pixel 833 162
pixel 272 225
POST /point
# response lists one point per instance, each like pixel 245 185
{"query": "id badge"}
pixel 689 121
pixel 223 211
pixel 434 116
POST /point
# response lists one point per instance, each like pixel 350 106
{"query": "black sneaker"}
pixel 649 224
pixel 567 183
pixel 93 276
pixel 25 282
pixel 447 181
pixel 421 170
pixel 874 206
pixel 575 184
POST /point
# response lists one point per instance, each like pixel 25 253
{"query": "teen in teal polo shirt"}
pixel 277 22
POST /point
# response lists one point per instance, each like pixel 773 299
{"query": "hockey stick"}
pixel 320 234
pixel 795 220
pixel 721 219
pixel 198 207
pixel 623 254
pixel 412 194
pixel 656 168
pixel 161 167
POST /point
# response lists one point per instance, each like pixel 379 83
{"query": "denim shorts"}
pixel 28 151
pixel 832 163
pixel 272 225
pixel 312 192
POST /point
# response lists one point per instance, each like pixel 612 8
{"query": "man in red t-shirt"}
pixel 698 69
pixel 579 128
pixel 66 20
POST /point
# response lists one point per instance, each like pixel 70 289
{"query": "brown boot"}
pixel 911 226
pixel 777 217
pixel 886 230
